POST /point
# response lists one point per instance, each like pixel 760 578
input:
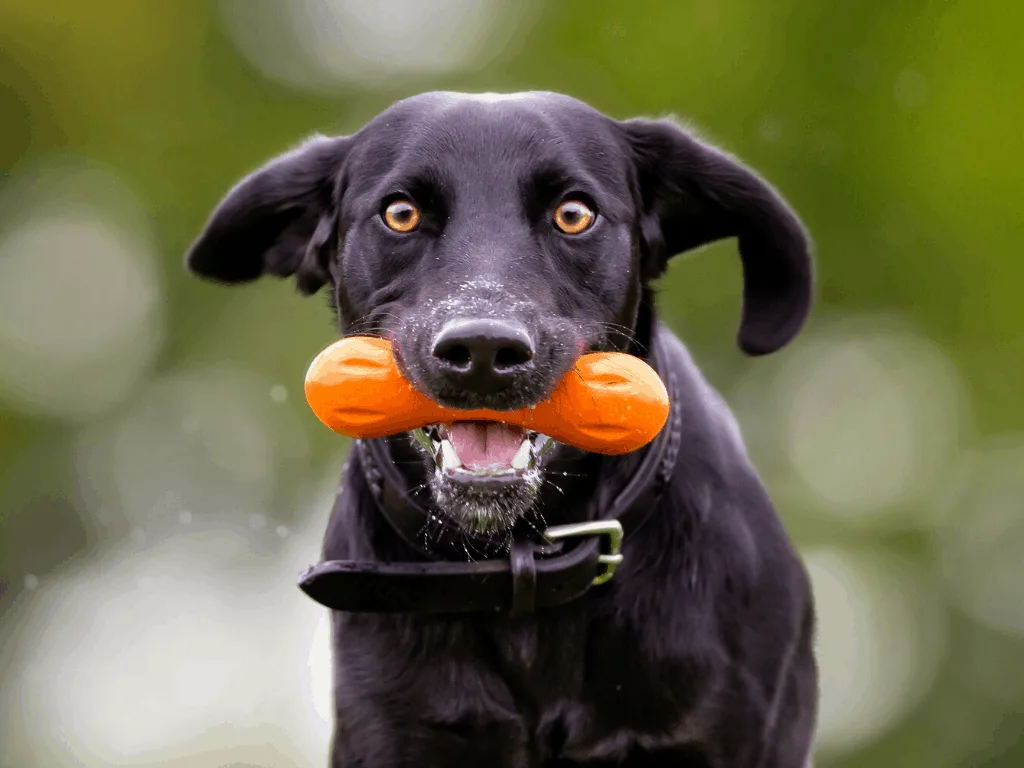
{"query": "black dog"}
pixel 494 239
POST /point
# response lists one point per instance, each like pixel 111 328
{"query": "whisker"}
pixel 557 488
pixel 621 331
pixel 369 324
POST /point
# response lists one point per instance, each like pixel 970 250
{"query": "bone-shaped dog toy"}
pixel 609 402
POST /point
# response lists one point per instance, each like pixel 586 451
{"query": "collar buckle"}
pixel 610 558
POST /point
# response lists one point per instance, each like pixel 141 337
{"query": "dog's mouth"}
pixel 476 452
pixel 486 474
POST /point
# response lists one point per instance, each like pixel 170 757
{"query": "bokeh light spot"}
pixel 320 44
pixel 911 89
pixel 982 538
pixel 81 313
pixel 167 650
pixel 881 634
pixel 148 469
pixel 870 415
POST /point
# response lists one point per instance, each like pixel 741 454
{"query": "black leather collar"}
pixel 536 572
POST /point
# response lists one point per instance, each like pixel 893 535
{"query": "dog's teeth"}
pixel 449 458
pixel 522 458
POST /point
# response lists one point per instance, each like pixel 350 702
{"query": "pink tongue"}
pixel 485 444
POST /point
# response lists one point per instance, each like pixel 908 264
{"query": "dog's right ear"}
pixel 280 220
pixel 693 194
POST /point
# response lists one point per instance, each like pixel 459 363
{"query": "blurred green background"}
pixel 162 482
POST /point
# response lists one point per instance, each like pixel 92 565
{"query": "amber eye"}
pixel 402 216
pixel 574 217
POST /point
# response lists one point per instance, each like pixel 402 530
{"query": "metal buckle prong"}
pixel 610 559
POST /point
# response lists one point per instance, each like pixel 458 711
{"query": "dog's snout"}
pixel 484 352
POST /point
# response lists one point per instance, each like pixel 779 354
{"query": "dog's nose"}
pixel 484 353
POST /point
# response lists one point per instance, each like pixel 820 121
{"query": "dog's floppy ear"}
pixel 279 220
pixel 692 194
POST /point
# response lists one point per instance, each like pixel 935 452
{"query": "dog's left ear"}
pixel 692 194
pixel 279 220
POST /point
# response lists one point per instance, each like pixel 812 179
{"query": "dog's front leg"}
pixel 391 743
pixel 417 691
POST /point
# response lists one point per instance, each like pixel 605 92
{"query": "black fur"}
pixel 699 651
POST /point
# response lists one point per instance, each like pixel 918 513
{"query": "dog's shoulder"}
pixel 710 430
pixel 716 503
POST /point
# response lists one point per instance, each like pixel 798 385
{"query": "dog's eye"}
pixel 401 216
pixel 573 217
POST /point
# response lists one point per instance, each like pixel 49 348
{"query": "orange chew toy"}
pixel 608 403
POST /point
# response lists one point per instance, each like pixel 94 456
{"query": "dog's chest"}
pixel 592 691
pixel 542 658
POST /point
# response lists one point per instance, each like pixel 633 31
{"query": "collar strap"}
pixel 537 572
pixel 520 584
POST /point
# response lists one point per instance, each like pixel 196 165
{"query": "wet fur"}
pixel 699 652
pixel 485 512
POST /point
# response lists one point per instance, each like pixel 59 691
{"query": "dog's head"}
pixel 494 239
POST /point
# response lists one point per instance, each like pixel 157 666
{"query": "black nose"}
pixel 484 353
